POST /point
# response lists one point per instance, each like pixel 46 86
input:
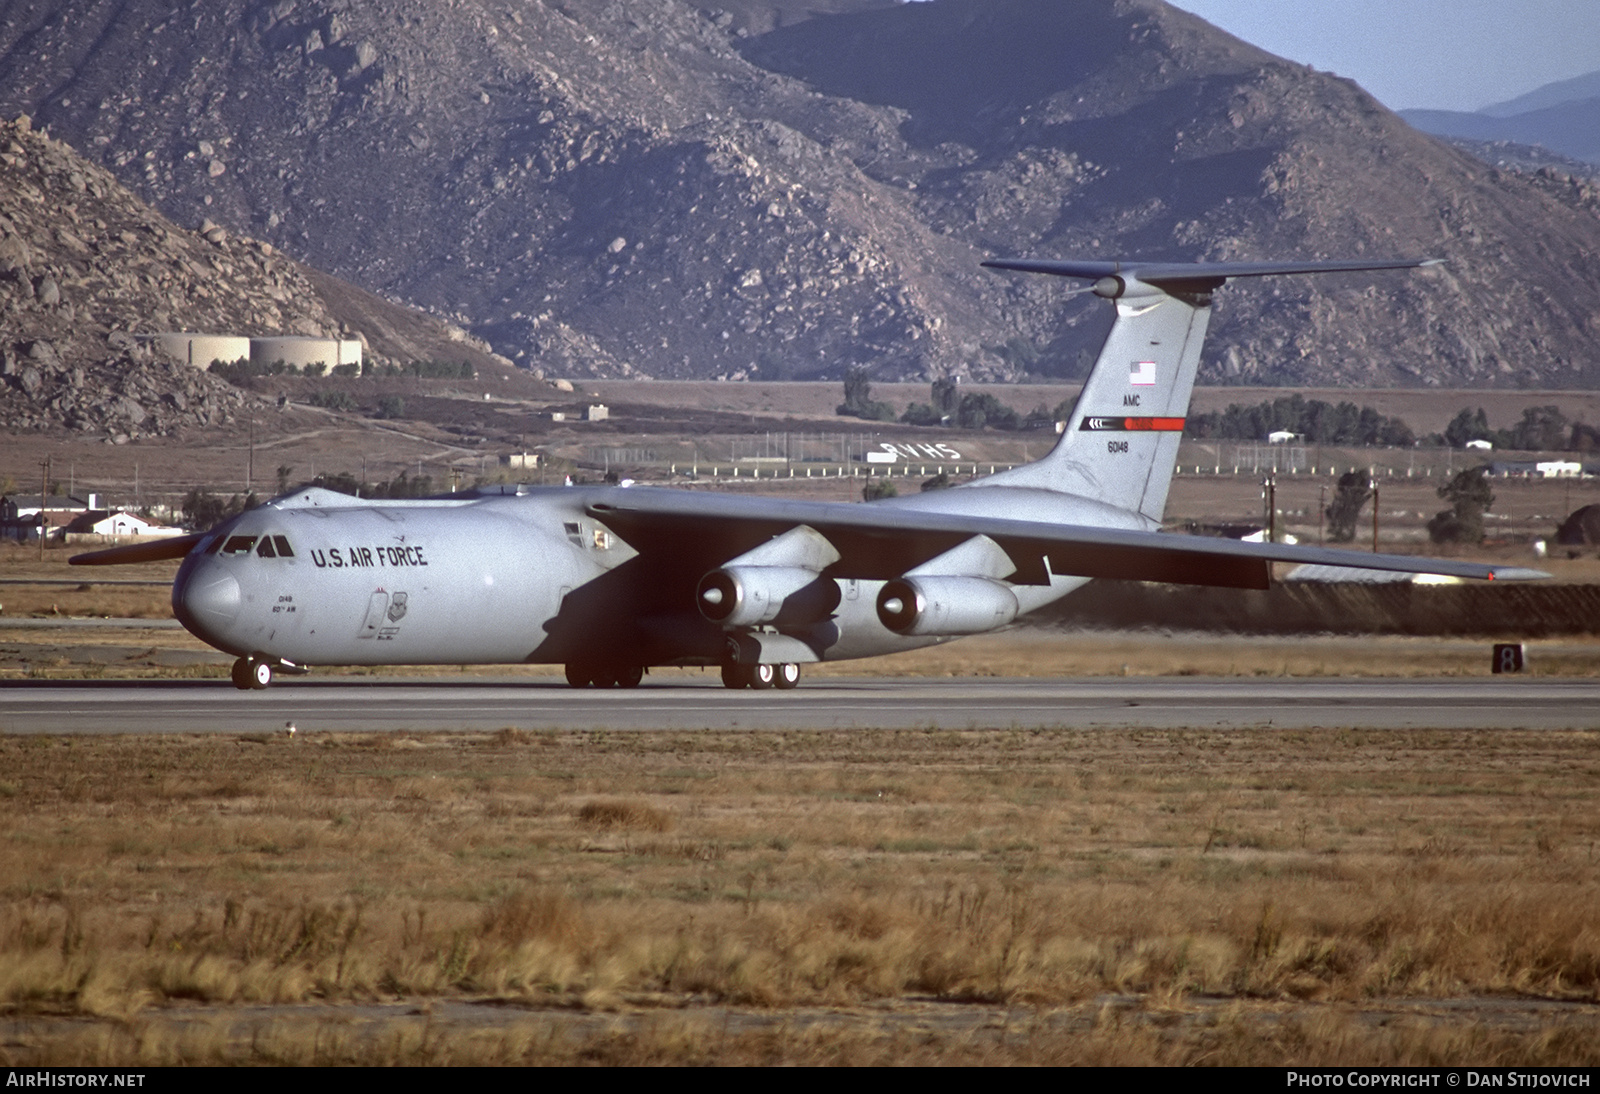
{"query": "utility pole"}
pixel 44 493
pixel 1269 491
pixel 1322 512
pixel 1374 516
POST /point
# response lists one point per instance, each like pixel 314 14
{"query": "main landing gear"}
pixel 580 675
pixel 760 677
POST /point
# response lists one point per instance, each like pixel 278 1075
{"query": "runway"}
pixel 390 704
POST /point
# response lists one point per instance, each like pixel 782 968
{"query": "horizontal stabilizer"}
pixel 1187 273
pixel 159 550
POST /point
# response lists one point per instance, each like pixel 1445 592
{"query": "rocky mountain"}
pixel 85 267
pixel 1555 93
pixel 784 189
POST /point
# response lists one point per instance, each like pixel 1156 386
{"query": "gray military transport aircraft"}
pixel 610 580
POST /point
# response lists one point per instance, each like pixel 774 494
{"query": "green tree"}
pixel 979 410
pixel 1470 497
pixel 342 483
pixel 390 406
pixel 203 510
pixel 332 400
pixel 920 414
pixel 878 488
pixel 1467 426
pixel 1542 429
pixel 858 402
pixel 1343 513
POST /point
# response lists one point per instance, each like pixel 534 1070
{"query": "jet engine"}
pixel 934 605
pixel 778 582
pixel 747 596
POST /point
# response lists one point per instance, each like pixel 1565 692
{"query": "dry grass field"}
pixel 1003 896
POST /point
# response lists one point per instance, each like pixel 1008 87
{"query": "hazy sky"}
pixel 1441 54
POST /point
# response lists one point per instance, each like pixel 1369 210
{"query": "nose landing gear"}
pixel 256 672
pixel 252 674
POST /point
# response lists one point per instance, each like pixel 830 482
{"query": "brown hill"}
pixel 611 188
pixel 85 266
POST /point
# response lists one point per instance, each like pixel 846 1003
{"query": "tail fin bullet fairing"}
pixel 609 580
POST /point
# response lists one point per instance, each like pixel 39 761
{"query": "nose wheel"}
pixel 252 674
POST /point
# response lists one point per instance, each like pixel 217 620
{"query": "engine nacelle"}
pixel 935 605
pixel 747 596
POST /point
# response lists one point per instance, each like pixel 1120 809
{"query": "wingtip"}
pixel 1517 573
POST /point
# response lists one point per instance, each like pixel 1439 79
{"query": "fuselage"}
pixel 317 578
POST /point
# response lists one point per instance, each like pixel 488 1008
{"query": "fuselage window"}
pixel 282 543
pixel 265 550
pixel 238 545
pixel 574 531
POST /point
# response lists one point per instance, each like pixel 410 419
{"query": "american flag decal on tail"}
pixel 1142 374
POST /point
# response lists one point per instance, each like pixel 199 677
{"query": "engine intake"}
pixel 747 596
pixel 935 605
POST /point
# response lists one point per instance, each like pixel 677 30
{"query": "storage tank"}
pixel 300 352
pixel 200 350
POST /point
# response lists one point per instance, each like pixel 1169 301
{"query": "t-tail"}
pixel 1121 445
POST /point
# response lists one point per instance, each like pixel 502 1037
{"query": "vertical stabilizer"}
pixel 1121 446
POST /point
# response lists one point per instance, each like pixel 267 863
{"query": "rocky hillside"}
pixel 615 187
pixel 85 266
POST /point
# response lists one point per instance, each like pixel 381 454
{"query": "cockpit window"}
pixel 238 545
pixel 269 547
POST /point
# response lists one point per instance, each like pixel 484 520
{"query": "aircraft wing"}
pixel 882 542
pixel 157 550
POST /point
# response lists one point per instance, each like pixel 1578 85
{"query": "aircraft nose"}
pixel 210 598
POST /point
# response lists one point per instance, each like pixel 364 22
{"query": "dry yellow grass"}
pixel 87 600
pixel 1229 896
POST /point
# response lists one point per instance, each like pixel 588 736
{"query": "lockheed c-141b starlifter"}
pixel 610 580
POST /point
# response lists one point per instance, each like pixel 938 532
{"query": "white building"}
pixel 113 526
pixel 1559 469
